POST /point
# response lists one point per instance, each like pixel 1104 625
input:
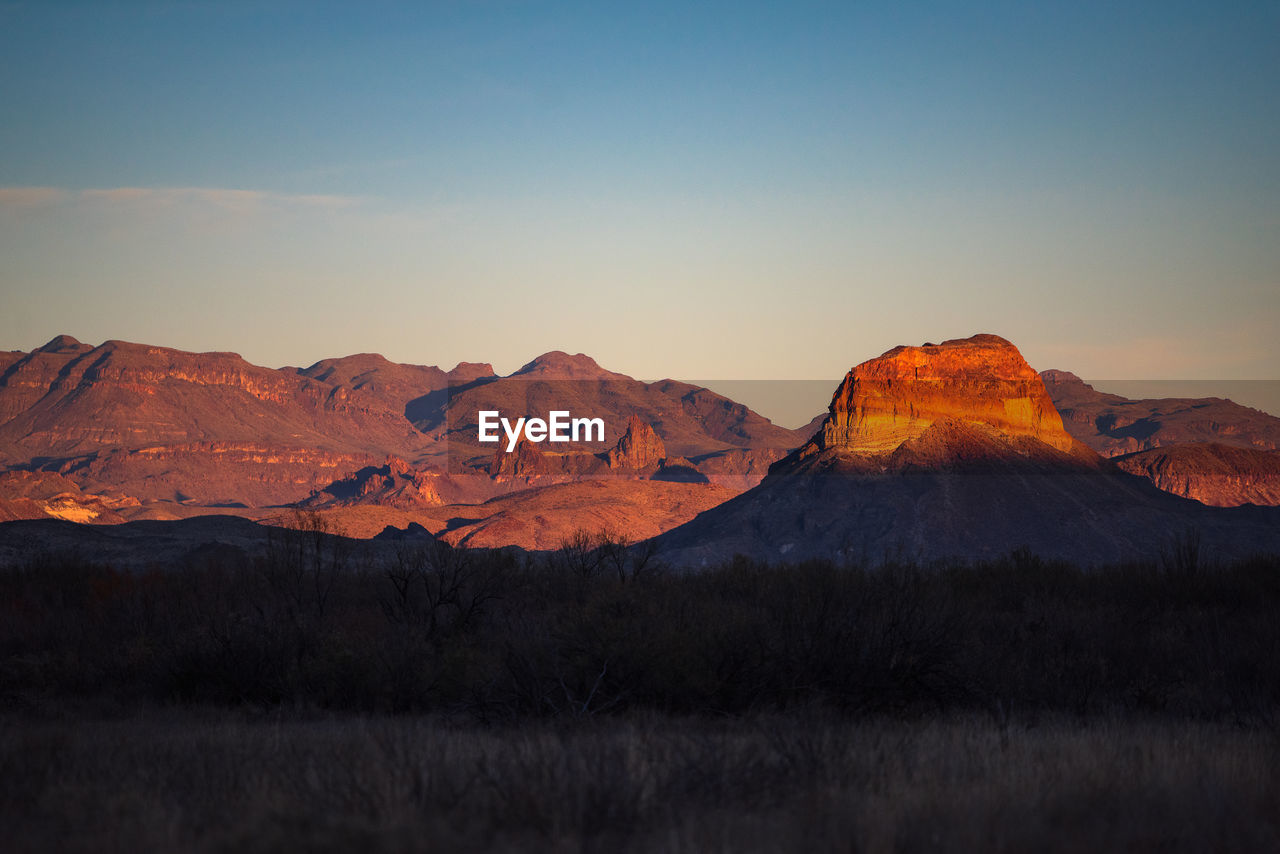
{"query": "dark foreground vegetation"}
pixel 591 700
pixel 596 629
pixel 198 782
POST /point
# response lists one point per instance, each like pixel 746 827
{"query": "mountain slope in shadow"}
pixel 955 451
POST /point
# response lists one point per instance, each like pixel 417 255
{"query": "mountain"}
pixel 393 484
pixel 1114 425
pixel 179 431
pixel 67 399
pixel 399 386
pixel 1211 473
pixel 1209 449
pixel 898 397
pixel 545 517
pixel 634 490
pixel 954 450
pixel 690 420
pixel 46 495
pixel 206 428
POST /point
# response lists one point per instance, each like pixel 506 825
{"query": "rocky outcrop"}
pixel 466 372
pixel 1219 475
pixel 524 461
pixel 557 365
pixel 545 517
pixel 375 376
pixel 1113 425
pixel 679 470
pixel 226 474
pixel 898 397
pixel 639 448
pixel 44 495
pixel 954 451
pixel 393 484
pixel 67 399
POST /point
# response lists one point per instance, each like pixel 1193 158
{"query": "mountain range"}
pixel 131 431
pixel 939 434
pixel 956 450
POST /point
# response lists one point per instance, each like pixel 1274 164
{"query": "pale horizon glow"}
pixel 741 191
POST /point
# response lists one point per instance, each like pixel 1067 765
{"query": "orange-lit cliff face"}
pixel 944 451
pixel 640 447
pixel 896 397
pixel 1113 425
pixel 67 398
pixel 1212 473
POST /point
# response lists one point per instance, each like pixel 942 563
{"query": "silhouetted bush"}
pixel 591 630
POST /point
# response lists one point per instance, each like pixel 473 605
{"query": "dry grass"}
pixel 205 782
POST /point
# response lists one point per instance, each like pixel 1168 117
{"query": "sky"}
pixel 741 190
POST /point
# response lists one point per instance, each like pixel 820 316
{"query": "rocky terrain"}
pixel 1211 473
pixel 1114 425
pixel 691 420
pixel 632 491
pixel 206 428
pixel 170 434
pixel 546 517
pixel 1209 449
pixel 955 450
pixel 901 396
pixel 942 449
pixel 47 495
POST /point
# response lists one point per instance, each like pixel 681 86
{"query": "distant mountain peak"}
pixel 1053 375
pixel 62 344
pixel 896 398
pixel 560 365
pixel 468 371
pixel 640 447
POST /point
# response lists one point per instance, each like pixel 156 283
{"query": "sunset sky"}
pixel 712 190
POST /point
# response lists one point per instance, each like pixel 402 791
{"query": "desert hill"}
pixel 954 450
pixel 1209 449
pixel 47 495
pixel 401 387
pixel 534 518
pixel 529 499
pixel 129 431
pixel 1114 425
pixel 1211 473
pixel 208 428
pixel 906 393
pixel 545 517
pixel 692 421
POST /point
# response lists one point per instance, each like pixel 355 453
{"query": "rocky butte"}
pixel 947 451
pixel 916 398
pixel 640 447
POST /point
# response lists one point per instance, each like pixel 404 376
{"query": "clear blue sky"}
pixel 736 190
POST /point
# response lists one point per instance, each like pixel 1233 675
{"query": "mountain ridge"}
pixel 962 477
pixel 212 429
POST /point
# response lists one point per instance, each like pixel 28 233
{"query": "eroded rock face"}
pixel 68 399
pixel 42 494
pixel 561 366
pixel 640 447
pixel 525 460
pixel 1113 425
pixel 213 473
pixel 896 397
pixel 393 484
pixel 1211 473
pixel 953 451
